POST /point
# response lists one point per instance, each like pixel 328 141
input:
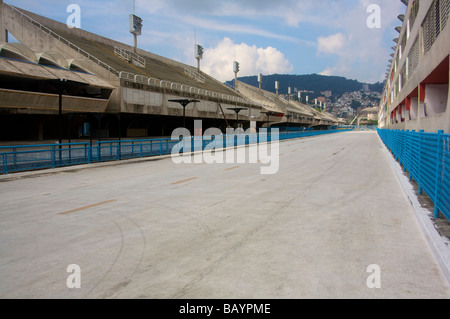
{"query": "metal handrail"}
pixel 65 41
pixel 129 55
pixel 195 75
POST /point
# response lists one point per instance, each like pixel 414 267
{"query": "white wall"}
pixel 436 96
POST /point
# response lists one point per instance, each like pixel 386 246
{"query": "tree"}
pixel 355 104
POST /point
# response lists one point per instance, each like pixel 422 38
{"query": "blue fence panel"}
pixel 32 157
pixel 426 157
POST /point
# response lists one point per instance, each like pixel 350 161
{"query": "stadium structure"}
pixel 416 92
pixel 61 81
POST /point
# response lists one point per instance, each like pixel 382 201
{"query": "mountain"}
pixel 311 82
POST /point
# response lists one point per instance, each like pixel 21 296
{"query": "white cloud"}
pixel 327 72
pixel 236 28
pixel 332 44
pixel 361 51
pixel 218 61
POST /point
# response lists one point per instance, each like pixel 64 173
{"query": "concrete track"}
pixel 154 229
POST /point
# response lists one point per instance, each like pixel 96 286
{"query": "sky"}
pixel 349 38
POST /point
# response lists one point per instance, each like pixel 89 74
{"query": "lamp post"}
pixel 184 103
pixel 237 110
pixel 268 117
pixel 61 86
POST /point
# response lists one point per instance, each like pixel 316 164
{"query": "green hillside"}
pixel 311 82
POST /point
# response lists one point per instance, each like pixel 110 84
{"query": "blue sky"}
pixel 329 37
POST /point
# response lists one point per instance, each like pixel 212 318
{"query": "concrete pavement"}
pixel 154 229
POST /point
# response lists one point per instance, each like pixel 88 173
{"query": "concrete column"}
pixel 421 107
pixel 447 111
pixel 2 27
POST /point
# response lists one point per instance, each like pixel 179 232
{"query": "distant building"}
pixel 327 93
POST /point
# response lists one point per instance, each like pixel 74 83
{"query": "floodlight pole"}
pixel 135 28
pixel 236 69
pixel 198 55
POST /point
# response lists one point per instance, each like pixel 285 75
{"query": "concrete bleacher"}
pixel 155 66
pixel 142 87
pixel 299 113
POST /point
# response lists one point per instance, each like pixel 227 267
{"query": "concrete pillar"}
pixel 2 27
pixel 447 111
pixel 421 108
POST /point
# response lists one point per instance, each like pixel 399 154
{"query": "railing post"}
pixel 119 151
pixel 70 154
pixel 89 154
pixel 404 147
pixel 436 183
pixel 15 156
pixel 419 182
pixel 99 151
pixel 52 156
pixel 413 133
pixel 5 163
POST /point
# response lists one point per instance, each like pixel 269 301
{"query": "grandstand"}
pixel 111 91
pixel 280 111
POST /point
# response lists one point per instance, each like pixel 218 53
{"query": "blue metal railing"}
pixel 33 157
pixel 426 157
